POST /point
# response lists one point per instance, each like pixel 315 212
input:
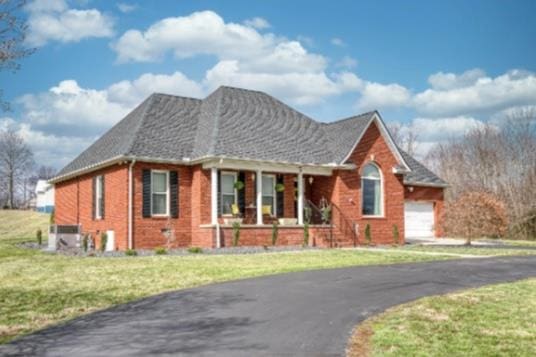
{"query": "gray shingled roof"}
pixel 419 173
pixel 230 122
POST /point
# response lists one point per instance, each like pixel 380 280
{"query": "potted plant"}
pixel 239 185
pixel 279 187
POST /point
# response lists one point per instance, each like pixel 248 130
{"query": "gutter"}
pixel 130 194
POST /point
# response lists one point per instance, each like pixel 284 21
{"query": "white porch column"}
pixel 214 195
pixel 258 180
pixel 300 197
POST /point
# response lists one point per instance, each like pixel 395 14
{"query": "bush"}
pixel 103 241
pixel 39 236
pixel 525 228
pixel 236 233
pixel 368 235
pixel 195 250
pixel 275 232
pixel 131 252
pixel 85 242
pixel 475 215
pixel 396 234
pixel 306 234
pixel 53 217
pixel 160 251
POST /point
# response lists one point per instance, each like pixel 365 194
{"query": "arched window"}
pixel 371 191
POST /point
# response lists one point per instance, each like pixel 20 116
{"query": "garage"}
pixel 419 219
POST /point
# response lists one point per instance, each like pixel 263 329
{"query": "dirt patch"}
pixel 359 343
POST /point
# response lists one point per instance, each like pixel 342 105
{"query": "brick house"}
pixel 187 168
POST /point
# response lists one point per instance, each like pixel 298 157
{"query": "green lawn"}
pixel 497 320
pixel 39 289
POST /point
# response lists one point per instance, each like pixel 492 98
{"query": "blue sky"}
pixel 440 68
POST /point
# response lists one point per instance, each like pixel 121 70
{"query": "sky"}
pixel 437 68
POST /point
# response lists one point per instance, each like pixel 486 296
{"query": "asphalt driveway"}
pixel 298 314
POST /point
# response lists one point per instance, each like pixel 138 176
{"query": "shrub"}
pixel 85 242
pixel 306 234
pixel 524 228
pixel 53 216
pixel 160 251
pixel 103 241
pixel 39 236
pixel 131 252
pixel 368 235
pixel 275 232
pixel 475 215
pixel 236 233
pixel 195 250
pixel 396 234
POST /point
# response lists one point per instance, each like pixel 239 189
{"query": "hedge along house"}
pixel 191 167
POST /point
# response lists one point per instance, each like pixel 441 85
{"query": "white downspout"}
pixel 130 189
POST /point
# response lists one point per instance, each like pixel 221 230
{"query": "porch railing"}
pixel 331 216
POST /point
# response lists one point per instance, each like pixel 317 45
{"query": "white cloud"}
pixel 446 81
pixel 295 87
pixel 381 96
pixel 52 20
pixel 126 8
pixel 68 107
pixel 477 94
pixel 257 23
pixel 338 42
pixel 347 62
pixel 246 58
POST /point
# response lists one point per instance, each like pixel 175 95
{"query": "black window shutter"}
pixel 174 194
pixel 241 199
pixel 103 196
pixel 280 199
pixel 94 197
pixel 219 193
pixel 146 188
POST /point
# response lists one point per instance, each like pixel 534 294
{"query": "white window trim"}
pixel 382 212
pixel 167 193
pixel 98 192
pixel 274 194
pixel 235 175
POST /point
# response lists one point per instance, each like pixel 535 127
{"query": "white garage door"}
pixel 419 219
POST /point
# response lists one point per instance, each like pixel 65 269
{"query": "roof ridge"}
pixel 149 104
pixel 350 118
pixel 176 96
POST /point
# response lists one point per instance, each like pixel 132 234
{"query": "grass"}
pixel 39 289
pixel 495 320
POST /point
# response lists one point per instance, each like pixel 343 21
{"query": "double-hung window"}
pixel 99 194
pixel 268 192
pixel 228 192
pixel 371 188
pixel 160 193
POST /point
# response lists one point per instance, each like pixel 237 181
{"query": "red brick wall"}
pixel 433 194
pixel 200 207
pixel 255 236
pixel 147 232
pixel 346 190
pixel 74 202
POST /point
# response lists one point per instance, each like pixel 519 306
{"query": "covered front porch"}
pixel 259 196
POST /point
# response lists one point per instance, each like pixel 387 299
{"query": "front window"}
pixel 371 186
pixel 268 192
pixel 99 197
pixel 228 192
pixel 159 193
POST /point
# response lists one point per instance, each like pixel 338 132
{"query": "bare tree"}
pixel 405 137
pixel 498 158
pixel 45 172
pixel 16 160
pixel 12 34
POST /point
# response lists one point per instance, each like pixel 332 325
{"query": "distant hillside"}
pixel 22 225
